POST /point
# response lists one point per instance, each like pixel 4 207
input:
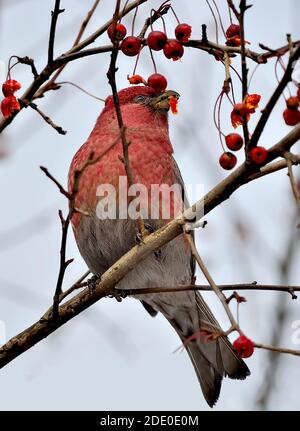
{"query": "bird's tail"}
pixel 212 360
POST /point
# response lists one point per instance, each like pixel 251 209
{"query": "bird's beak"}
pixel 162 102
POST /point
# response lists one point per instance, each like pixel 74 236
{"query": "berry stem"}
pixel 134 17
pixel 215 20
pixel 153 61
pixel 125 5
pixel 217 123
pixel 176 17
pixel 136 62
pixel 219 16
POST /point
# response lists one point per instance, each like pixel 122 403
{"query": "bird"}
pixel 104 237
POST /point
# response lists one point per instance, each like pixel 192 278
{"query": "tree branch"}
pixel 206 288
pixel 48 120
pixel 55 14
pixel 46 325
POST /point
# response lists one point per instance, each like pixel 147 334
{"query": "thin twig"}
pixel 48 120
pixel 64 263
pixel 295 189
pixel 211 282
pixel 51 84
pixel 243 8
pixel 277 349
pixel 206 288
pixel 75 286
pixel 30 62
pixel 162 10
pixel 54 14
pixel 233 8
pixel 81 89
pixel 111 75
pixel 266 112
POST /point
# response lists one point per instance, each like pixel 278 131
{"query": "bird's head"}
pixel 145 96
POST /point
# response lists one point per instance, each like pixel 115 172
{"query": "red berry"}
pixel 234 141
pixel 156 40
pixel 10 87
pixel 293 102
pixel 9 105
pixel 131 46
pixel 183 32
pixel 244 346
pixel 298 92
pixel 157 81
pixel 258 155
pixel 241 109
pixel 120 32
pixel 233 30
pixel 173 49
pixel 291 116
pixel 227 161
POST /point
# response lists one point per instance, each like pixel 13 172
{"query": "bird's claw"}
pixel 93 281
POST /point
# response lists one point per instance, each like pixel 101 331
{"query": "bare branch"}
pixel 60 187
pixel 47 119
pixel 218 292
pixel 207 288
pixel 266 112
pixel 55 14
pixel 277 349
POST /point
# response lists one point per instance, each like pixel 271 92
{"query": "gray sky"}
pixel 114 356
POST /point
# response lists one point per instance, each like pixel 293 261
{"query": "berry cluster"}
pixel 10 103
pixel 291 114
pixel 156 40
pixel 241 112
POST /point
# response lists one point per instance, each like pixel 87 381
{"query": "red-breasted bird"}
pixel 103 241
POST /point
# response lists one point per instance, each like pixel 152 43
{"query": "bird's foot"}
pixel 92 282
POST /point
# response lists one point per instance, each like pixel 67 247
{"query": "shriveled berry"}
pixel 173 49
pixel 156 40
pixel 227 160
pixel 241 109
pixel 234 141
pixel 183 32
pixel 233 30
pixel 293 102
pixel 9 105
pixel 258 155
pixel 136 79
pixel 244 346
pixel 291 116
pixel 10 87
pixel 157 81
pixel 120 32
pixel 131 46
pixel 234 41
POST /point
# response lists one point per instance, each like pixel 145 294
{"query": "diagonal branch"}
pixel 106 286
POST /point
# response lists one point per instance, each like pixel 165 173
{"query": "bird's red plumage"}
pixel 150 150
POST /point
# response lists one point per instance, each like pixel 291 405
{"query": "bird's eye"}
pixel 139 98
